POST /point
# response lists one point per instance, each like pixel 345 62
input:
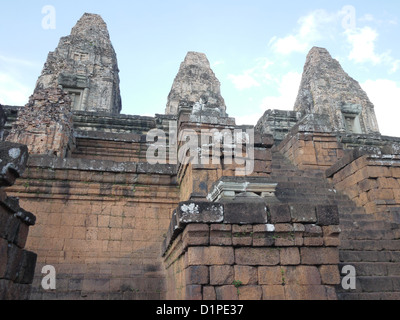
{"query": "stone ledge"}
pixel 291 220
pixel 99 165
pixel 109 136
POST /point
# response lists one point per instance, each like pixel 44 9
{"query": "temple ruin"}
pixel 276 211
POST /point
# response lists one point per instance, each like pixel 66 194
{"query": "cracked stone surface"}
pixel 196 83
pixel 85 65
pixel 327 89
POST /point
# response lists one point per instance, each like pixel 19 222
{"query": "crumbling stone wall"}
pixel 17 265
pixel 45 123
pixel 290 253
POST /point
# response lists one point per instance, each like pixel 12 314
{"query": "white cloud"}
pixel 363 43
pixel 307 34
pixel 288 89
pixel 13 79
pixel 385 95
pixel 252 77
pixel 251 119
pixel 12 92
pixel 243 81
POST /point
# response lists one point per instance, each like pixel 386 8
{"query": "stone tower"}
pixel 327 89
pixel 85 65
pixel 196 83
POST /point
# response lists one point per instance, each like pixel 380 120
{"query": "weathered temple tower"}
pixel 196 83
pixel 326 89
pixel 85 65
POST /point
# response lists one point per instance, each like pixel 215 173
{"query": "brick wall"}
pixel 317 151
pixel 293 256
pixel 311 144
pixel 100 224
pixel 196 180
pixel 371 181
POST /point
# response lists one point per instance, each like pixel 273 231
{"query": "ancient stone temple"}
pixel 327 89
pixel 194 83
pixel 188 205
pixel 85 65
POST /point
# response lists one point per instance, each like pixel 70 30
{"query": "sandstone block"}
pixel 257 256
pixel 210 256
pixel 227 293
pixel 221 275
pixel 319 256
pixel 197 275
pixel 273 292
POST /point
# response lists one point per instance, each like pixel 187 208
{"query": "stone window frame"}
pixel 71 91
pixel 352 112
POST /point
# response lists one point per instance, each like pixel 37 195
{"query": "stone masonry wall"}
pixel 286 253
pixel 100 224
pixel 196 180
pixel 308 150
pixel 371 181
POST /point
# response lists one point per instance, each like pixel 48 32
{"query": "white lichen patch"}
pixel 14 153
pixel 190 209
pixel 270 228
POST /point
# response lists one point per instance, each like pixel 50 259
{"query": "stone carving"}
pixel 326 89
pixel 196 83
pixel 85 65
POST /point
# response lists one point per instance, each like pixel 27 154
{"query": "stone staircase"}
pixel 369 243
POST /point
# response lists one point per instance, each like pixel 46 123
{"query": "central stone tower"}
pixel 196 83
pixel 85 65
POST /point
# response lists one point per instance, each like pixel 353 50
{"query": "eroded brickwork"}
pixel 45 124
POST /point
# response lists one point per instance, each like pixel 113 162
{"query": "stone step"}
pixel 351 256
pixel 375 284
pixel 371 235
pixel 366 225
pixel 370 245
pixel 377 269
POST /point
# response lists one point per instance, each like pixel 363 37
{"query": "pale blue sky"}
pixel 256 48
